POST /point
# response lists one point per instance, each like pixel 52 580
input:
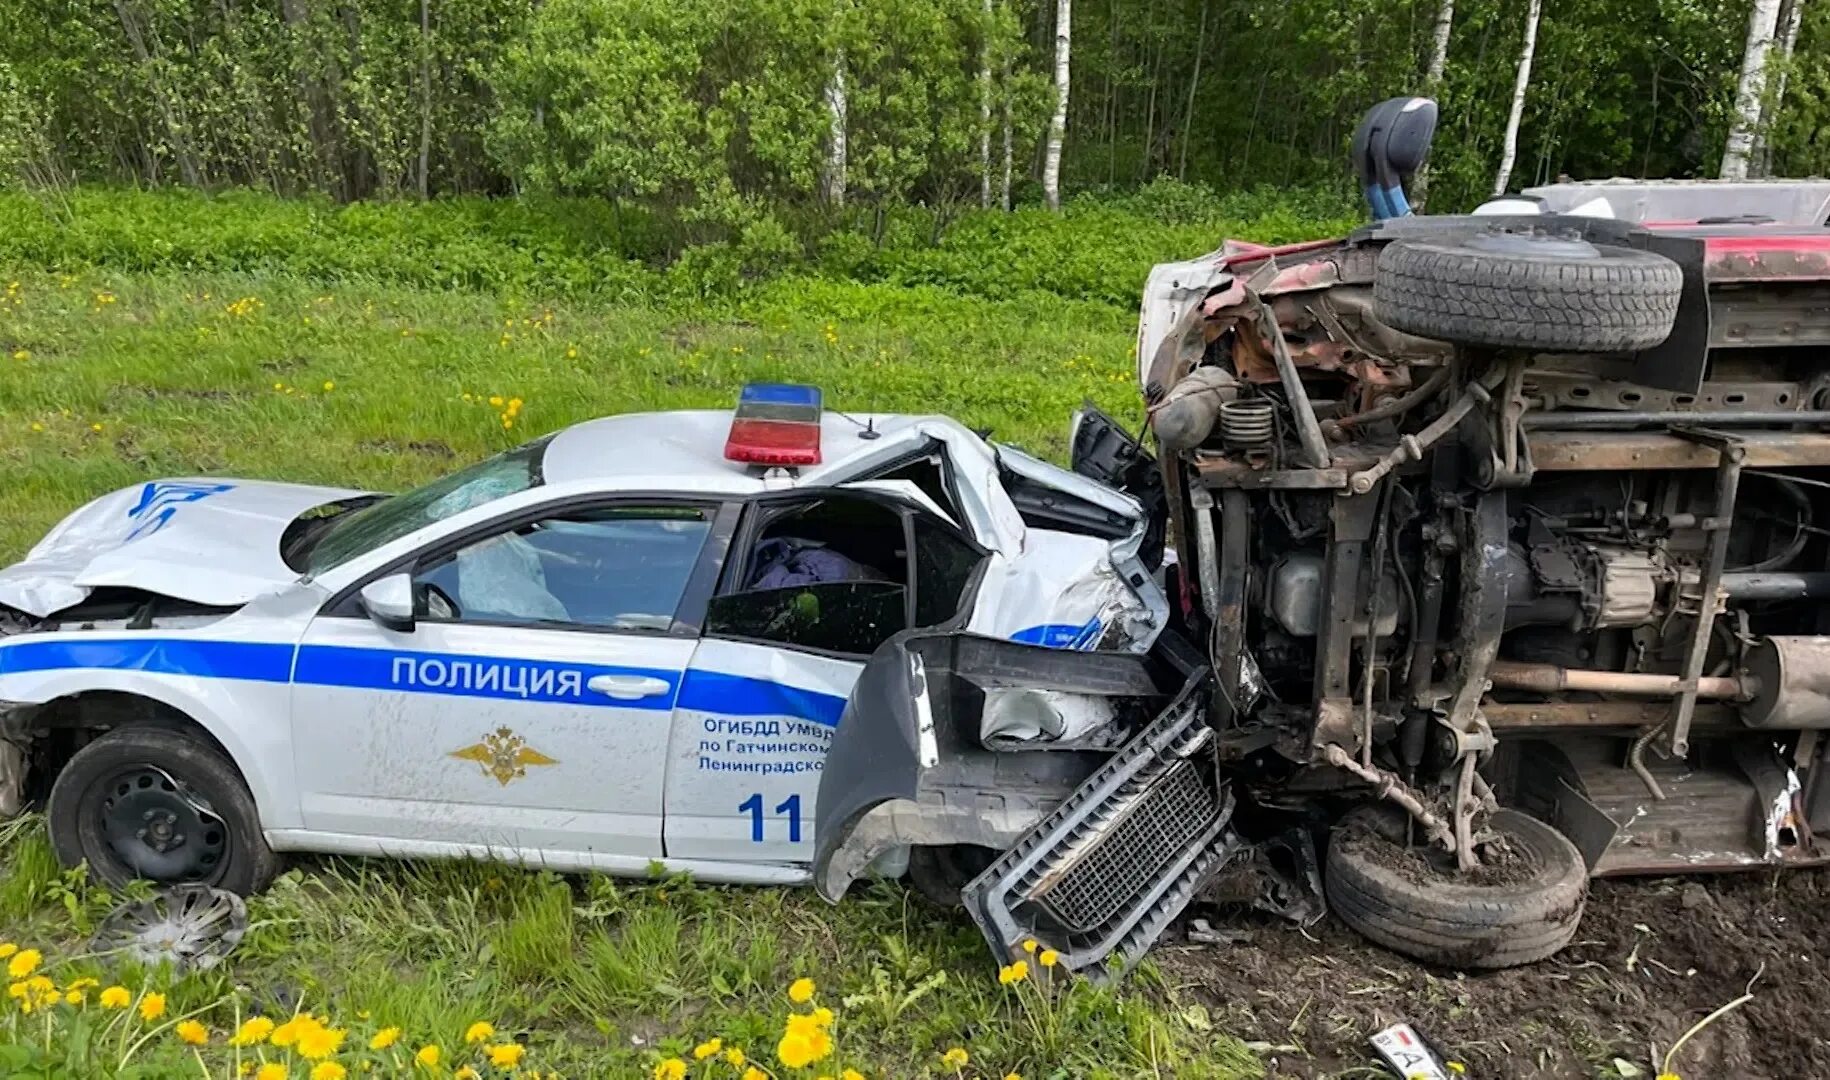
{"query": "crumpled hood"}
pixel 211 542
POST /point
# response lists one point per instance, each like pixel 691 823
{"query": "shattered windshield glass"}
pixel 365 530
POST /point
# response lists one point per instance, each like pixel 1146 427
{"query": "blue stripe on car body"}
pixel 382 669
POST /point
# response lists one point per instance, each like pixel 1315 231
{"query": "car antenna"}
pixel 869 425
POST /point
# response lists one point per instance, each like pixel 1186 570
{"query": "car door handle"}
pixel 628 687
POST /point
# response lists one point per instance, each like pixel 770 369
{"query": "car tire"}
pixel 162 805
pixel 939 872
pixel 1510 291
pixel 1521 912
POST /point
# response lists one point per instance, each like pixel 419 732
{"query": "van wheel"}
pixel 1522 905
pixel 1513 291
pixel 160 805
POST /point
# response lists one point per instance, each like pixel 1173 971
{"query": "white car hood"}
pixel 213 542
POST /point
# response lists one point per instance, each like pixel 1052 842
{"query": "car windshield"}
pixel 389 520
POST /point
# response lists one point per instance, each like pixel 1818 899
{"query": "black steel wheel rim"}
pixel 160 829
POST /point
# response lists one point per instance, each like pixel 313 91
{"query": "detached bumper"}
pixel 907 766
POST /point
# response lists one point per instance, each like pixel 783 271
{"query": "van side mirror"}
pixel 389 601
pixel 1389 147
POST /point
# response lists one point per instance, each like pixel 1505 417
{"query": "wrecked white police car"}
pixel 624 644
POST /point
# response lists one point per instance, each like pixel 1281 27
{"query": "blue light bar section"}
pixel 780 394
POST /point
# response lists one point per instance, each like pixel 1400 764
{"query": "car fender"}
pixel 246 715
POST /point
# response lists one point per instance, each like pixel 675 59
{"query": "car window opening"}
pixel 614 569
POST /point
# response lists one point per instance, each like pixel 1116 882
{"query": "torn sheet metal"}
pixel 213 542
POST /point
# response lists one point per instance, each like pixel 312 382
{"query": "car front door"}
pixel 816 581
pixel 526 706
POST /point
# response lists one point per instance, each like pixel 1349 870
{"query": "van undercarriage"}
pixel 1501 565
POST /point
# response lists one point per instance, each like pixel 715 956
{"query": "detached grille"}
pixel 1119 863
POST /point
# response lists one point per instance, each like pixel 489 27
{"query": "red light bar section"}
pixel 775 424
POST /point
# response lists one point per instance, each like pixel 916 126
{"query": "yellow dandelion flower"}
pixel 152 1006
pixel 1011 974
pixel 508 422
pixel 571 354
pixel 1049 958
pixel 273 1070
pixel 465 1073
pixel 1030 946
pixel 1013 1076
pixel 851 1074
pixel 495 401
pixel 481 1031
pixel 801 991
pixel 671 1069
pixel 319 1042
pixel 707 1048
pixel 22 354
pixel 190 1031
pixel 822 1016
pixel 252 1032
pixel 734 1058
pixel 38 427
pixel 23 963
pixel 74 997
pixel 505 1055
pixel 428 1056
pixel 115 997
pixel 288 1033
pixel 385 1038
pixel 246 1068
pixel 754 1073
pixel 328 1070
pixel 329 385
pixel 795 1050
pixel 956 1058
pixel 7 949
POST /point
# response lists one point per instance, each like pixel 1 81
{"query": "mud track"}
pixel 1651 959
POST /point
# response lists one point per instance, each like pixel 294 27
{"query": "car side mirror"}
pixel 389 601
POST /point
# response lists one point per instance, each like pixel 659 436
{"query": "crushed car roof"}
pixel 690 445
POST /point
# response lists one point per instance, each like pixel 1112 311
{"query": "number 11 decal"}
pixel 791 806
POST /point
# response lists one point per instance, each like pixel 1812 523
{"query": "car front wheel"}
pixel 160 805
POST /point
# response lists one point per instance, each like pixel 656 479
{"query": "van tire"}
pixel 162 780
pixel 1528 292
pixel 1398 901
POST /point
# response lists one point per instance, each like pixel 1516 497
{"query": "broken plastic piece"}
pixel 1406 1052
pixel 194 927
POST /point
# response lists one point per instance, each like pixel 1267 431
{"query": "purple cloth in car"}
pixel 785 563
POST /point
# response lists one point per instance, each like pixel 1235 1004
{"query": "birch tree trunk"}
pixel 1057 124
pixel 1762 21
pixel 1004 188
pixel 425 96
pixel 985 104
pixel 1194 83
pixel 1510 148
pixel 1432 85
pixel 833 180
pixel 1791 12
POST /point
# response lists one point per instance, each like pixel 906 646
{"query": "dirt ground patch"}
pixel 1651 958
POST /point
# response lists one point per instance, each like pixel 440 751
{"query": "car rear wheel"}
pixel 1517 291
pixel 160 805
pixel 1522 905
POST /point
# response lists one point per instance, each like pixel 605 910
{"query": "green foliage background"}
pixel 707 116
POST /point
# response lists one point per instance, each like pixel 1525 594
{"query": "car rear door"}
pixel 529 707
pixel 781 651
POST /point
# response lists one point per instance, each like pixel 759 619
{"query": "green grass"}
pixel 120 364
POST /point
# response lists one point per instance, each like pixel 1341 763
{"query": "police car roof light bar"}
pixel 775 424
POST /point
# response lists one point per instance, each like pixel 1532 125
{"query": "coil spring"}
pixel 1247 425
